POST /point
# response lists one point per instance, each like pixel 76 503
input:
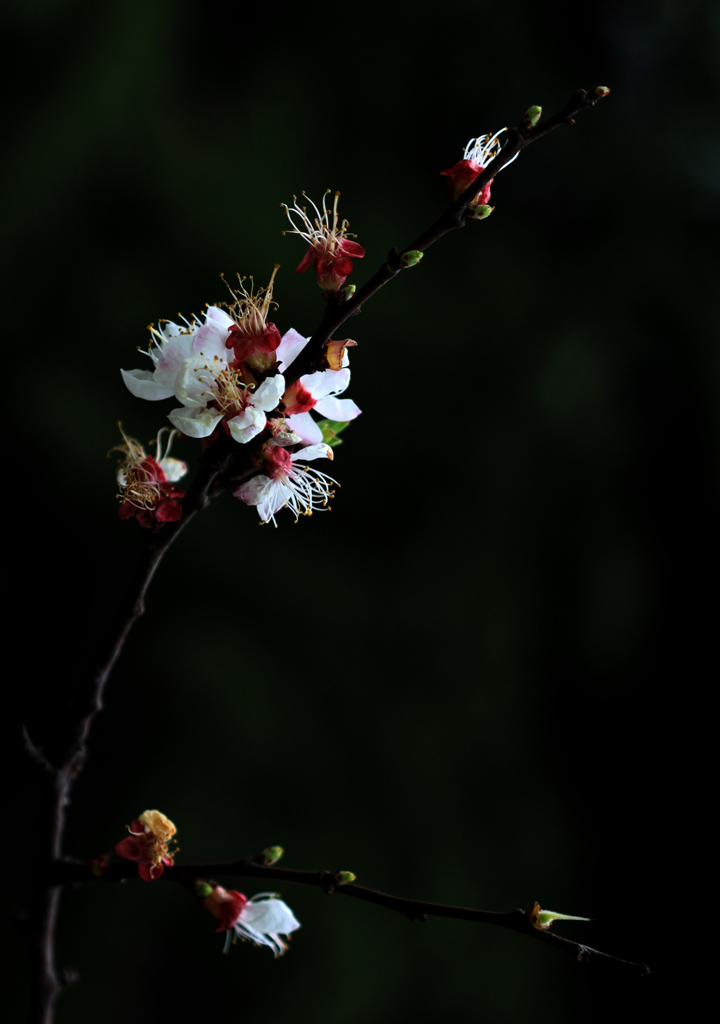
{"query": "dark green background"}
pixel 473 680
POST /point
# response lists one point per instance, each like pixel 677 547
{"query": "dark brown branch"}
pixel 56 780
pixel 66 873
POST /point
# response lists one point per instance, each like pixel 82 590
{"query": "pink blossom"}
pixel 479 153
pixel 330 250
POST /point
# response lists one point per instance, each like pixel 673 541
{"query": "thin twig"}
pixel 452 219
pixel 74 873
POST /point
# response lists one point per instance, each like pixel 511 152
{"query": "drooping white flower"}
pixel 288 483
pixel 263 920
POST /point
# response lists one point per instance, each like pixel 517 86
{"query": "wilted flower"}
pixel 263 920
pixel 479 153
pixel 330 248
pixel 147 483
pixel 286 483
pixel 148 844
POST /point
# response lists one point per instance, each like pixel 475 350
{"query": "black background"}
pixel 475 680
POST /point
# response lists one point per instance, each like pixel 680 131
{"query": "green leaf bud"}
pixel 542 919
pixel 601 90
pixel 203 890
pixel 479 212
pixel 344 877
pixel 271 855
pixel 410 258
pixel 532 116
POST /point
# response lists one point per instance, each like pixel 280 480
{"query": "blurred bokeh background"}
pixel 470 681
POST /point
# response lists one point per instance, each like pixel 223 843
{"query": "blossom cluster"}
pixel 263 919
pixel 232 371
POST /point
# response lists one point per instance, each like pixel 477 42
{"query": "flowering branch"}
pixel 453 218
pixel 228 374
pixel 524 922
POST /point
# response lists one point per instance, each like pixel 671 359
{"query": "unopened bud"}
pixel 410 258
pixel 270 855
pixel 348 291
pixel 344 877
pixel 601 90
pixel 532 116
pixel 203 890
pixel 542 919
pixel 479 212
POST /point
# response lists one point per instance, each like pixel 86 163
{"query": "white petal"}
pixel 209 342
pixel 269 393
pixel 174 469
pixel 269 495
pixel 171 355
pixel 326 382
pixel 269 917
pixel 142 384
pixel 340 409
pixel 218 318
pixel 290 348
pixel 305 426
pixel 195 379
pixel 253 491
pixel 195 422
pixel 313 451
pixel 247 425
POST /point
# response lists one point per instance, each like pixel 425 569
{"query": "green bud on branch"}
pixel 542 919
pixel 203 890
pixel 271 855
pixel 344 877
pixel 532 116
pixel 480 212
pixel 601 90
pixel 410 258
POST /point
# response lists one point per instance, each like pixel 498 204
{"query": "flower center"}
pixel 323 231
pixel 229 394
pixel 250 308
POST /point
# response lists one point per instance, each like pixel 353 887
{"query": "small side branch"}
pixel 453 218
